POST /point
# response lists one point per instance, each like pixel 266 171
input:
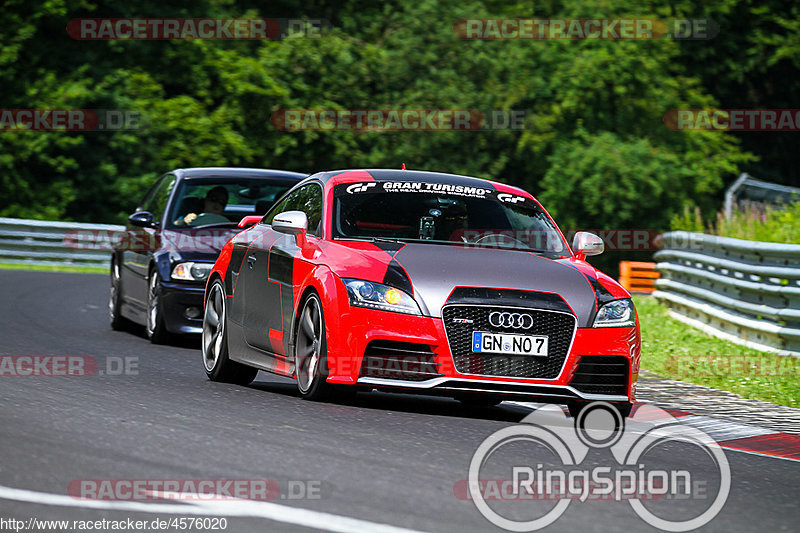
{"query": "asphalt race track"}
pixel 378 463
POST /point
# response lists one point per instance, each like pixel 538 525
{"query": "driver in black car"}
pixel 213 208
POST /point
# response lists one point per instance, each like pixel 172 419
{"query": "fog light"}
pixel 192 312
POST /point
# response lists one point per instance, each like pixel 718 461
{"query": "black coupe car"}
pixel 159 269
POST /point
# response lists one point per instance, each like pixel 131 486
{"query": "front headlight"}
pixel 191 271
pixel 616 314
pixel 378 296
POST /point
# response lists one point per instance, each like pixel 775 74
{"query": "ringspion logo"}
pixel 543 460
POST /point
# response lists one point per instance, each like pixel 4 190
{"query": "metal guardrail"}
pixel 39 242
pixel 746 291
pixel 749 189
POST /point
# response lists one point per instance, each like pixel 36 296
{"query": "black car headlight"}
pixel 379 296
pixel 191 271
pixel 616 314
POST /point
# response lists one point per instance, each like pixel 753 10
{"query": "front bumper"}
pixel 353 330
pixel 178 299
pixel 508 389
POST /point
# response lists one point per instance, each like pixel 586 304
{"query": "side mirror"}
pixel 585 244
pixel 292 223
pixel 249 220
pixel 142 219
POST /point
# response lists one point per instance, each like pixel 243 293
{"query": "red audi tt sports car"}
pixel 419 282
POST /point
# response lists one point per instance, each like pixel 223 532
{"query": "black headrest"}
pixel 191 204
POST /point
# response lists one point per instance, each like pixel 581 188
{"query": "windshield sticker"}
pixel 421 187
pixel 510 198
pixel 359 187
pixel 434 188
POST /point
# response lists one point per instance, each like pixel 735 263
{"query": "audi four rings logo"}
pixel 510 320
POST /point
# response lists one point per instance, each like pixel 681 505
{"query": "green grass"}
pixel 674 350
pixel 54 268
pixel 750 222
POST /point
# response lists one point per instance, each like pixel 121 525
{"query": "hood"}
pixel 435 271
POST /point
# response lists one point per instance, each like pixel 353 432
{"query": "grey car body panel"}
pixel 436 270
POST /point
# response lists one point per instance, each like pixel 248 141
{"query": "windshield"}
pixel 437 213
pixel 215 201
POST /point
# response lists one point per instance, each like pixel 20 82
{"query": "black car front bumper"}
pixel 182 307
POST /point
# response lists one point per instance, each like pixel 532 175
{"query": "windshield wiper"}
pixel 384 239
pixel 371 239
pixel 216 224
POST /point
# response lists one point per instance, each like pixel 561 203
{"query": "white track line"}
pixel 243 508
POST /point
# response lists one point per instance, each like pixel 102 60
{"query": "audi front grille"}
pixel 461 320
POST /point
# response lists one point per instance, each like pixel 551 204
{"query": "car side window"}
pixel 147 201
pixel 156 199
pixel 161 197
pixel 280 207
pixel 307 199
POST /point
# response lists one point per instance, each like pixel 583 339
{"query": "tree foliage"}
pixel 594 145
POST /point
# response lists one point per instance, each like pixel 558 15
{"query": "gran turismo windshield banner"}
pixel 428 188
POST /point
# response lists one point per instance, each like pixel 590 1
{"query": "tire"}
pixel 624 409
pixel 575 408
pixel 155 327
pixel 214 343
pixel 311 352
pixel 479 400
pixel 118 322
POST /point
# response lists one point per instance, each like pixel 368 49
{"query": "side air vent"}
pixel 399 360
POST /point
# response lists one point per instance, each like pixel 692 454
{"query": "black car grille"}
pixel 408 361
pixel 558 327
pixel 601 374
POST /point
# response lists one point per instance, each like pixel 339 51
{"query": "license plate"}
pixel 508 343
